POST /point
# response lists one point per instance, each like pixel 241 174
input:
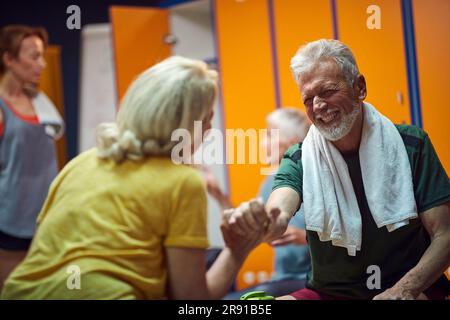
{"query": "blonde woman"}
pixel 122 221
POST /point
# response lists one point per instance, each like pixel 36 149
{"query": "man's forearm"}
pixel 285 199
pixel 431 266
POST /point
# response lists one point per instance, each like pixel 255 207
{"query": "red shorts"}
pixel 310 294
pixel 433 293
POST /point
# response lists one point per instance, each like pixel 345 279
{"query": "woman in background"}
pixel 28 161
pixel 123 221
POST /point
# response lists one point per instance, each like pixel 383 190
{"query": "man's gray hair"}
pixel 291 121
pixel 322 49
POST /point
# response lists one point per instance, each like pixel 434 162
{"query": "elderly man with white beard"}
pixel 375 194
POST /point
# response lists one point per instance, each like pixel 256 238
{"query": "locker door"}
pixel 296 23
pixel 245 59
pixel 51 84
pixel 380 54
pixel 138 38
pixel 247 84
pixel 432 31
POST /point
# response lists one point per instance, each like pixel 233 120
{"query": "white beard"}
pixel 339 130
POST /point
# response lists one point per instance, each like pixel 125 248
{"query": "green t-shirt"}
pixel 336 273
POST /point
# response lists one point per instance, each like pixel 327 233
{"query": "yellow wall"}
pixel 432 30
pixel 138 35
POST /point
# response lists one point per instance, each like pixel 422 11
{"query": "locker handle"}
pixel 399 97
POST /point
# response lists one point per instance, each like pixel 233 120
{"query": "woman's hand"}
pixel 214 189
pixel 251 224
pixel 243 228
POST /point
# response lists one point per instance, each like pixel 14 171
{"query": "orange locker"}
pixel 247 81
pixel 380 53
pixel 138 38
pixel 432 34
pixel 297 22
pixel 244 54
pixel 51 84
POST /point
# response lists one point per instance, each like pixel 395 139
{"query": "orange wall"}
pixel 296 23
pixel 51 84
pixel 244 52
pixel 380 54
pixel 247 80
pixel 432 31
pixel 138 35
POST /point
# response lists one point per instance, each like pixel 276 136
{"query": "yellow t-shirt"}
pixel 103 229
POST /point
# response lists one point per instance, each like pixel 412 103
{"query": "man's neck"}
pixel 350 143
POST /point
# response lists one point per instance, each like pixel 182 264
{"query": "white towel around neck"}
pixel 48 116
pixel 331 208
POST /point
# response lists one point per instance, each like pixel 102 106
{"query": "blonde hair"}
pixel 170 95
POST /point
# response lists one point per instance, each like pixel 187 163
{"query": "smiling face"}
pixel 27 67
pixel 332 104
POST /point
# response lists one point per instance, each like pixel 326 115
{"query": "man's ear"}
pixel 361 87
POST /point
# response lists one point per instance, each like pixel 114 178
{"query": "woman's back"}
pixel 111 222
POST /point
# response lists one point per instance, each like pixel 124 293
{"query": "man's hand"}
pixel 251 217
pixel 278 224
pixel 434 261
pixel 281 205
pixel 398 292
pixel 293 235
pixel 272 220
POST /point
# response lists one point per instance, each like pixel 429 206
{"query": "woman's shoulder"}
pixel 180 172
pixel 80 158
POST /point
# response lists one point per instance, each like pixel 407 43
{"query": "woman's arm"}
pixel 188 278
pixel 186 274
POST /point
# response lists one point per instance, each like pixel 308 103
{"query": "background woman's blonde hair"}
pixel 170 95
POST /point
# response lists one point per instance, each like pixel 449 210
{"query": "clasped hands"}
pixel 246 226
